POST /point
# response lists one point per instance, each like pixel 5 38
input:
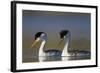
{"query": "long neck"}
pixel 41 52
pixel 65 50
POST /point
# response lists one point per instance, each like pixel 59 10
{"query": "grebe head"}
pixel 64 34
pixel 40 36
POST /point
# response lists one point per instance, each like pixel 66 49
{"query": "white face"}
pixel 43 36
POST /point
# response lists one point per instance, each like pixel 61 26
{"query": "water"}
pixel 55 58
pixel 32 56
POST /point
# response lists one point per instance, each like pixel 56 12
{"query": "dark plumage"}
pixel 53 52
pixel 63 33
pixel 38 35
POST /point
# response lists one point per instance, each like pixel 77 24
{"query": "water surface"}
pixel 28 59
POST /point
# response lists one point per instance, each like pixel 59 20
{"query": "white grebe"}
pixel 41 36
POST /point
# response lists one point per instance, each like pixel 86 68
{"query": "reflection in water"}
pixel 56 58
pixel 65 58
pixel 49 58
pixel 31 56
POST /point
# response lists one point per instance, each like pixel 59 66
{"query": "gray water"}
pixel 55 58
pixel 32 56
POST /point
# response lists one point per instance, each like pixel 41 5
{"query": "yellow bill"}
pixel 35 42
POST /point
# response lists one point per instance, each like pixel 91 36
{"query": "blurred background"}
pixel 52 23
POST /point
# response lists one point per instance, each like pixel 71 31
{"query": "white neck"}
pixel 41 52
pixel 65 50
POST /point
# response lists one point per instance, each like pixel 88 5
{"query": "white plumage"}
pixel 64 35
